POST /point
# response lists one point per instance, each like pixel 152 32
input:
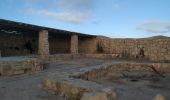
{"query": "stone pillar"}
pixel 43 44
pixel 74 44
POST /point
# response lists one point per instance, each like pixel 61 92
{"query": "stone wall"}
pixel 154 49
pixel 87 45
pixel 19 65
pixel 59 44
pixel 14 44
pixel 157 50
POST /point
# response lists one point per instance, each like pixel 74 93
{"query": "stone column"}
pixel 74 44
pixel 43 44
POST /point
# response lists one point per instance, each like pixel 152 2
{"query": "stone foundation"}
pixel 77 89
pixel 79 85
pixel 99 72
pixel 53 58
pixel 19 65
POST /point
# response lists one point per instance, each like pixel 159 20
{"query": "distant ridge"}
pixel 153 37
pixel 159 37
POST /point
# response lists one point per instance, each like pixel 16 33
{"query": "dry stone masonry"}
pixel 80 84
pixel 76 89
pixel 87 45
pixel 19 65
pixel 43 43
pixel 74 44
pixel 157 50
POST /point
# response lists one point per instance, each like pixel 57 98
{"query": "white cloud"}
pixel 69 17
pixel 155 26
pixel 73 17
pixel 70 11
pixel 75 4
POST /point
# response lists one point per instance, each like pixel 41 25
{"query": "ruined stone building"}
pixel 16 37
pixel 77 66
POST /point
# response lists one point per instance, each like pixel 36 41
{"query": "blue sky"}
pixel 112 18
